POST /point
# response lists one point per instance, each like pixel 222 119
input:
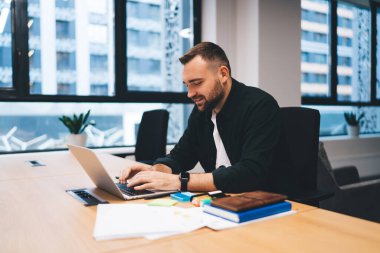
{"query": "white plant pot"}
pixel 77 139
pixel 353 131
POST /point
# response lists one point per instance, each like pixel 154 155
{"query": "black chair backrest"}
pixel 151 137
pixel 295 166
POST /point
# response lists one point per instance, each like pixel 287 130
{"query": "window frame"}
pixel 332 99
pixel 20 92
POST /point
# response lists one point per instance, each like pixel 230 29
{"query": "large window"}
pixel 377 86
pixel 315 49
pixel 5 44
pixel 157 29
pixel 76 44
pixel 35 126
pixel 345 80
pixel 117 58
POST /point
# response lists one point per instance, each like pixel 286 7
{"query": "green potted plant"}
pixel 76 126
pixel 353 123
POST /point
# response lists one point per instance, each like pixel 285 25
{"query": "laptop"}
pixel 98 174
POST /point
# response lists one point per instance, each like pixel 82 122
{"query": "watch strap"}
pixel 184 178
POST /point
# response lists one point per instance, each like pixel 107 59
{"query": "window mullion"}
pixel 197 20
pixel 20 63
pixel 373 88
pixel 120 49
pixel 333 49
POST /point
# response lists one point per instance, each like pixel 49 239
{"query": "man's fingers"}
pixel 137 180
pixel 128 173
pixel 125 174
pixel 143 173
pixel 144 186
pixel 152 180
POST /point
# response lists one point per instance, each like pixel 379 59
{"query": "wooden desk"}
pixel 15 167
pixel 37 215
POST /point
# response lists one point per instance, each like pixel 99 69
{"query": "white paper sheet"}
pixel 153 222
pixel 130 220
pixel 190 219
pixel 138 220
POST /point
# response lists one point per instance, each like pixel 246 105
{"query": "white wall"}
pixel 252 33
pixel 262 40
pixel 279 50
pixel 246 66
pixel 218 25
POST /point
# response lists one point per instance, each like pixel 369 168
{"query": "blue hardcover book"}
pixel 248 214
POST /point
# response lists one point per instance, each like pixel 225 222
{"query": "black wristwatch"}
pixel 184 177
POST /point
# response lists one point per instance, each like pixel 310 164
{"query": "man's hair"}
pixel 209 52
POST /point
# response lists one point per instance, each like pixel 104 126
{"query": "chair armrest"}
pixel 346 175
pixel 362 185
pixel 312 198
pixel 359 200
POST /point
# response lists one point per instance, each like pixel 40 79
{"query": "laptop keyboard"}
pixel 130 191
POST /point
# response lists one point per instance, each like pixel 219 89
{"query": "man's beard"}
pixel 215 97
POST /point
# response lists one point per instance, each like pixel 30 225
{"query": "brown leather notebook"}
pixel 248 200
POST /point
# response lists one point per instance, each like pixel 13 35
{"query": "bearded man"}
pixel 232 131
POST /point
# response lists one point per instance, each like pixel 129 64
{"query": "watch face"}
pixel 184 176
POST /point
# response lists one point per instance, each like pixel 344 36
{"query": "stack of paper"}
pixel 152 222
pixel 139 220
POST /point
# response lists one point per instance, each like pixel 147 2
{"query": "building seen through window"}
pixel 352 67
pixel 71 51
pixel 5 44
pixel 160 70
pixel 85 35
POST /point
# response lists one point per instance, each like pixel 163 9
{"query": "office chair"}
pixel 294 170
pixel 352 195
pixel 151 136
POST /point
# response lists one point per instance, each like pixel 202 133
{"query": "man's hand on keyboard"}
pixel 154 180
pixel 132 171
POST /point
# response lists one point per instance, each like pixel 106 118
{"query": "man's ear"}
pixel 223 74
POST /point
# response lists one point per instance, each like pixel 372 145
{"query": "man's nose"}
pixel 190 92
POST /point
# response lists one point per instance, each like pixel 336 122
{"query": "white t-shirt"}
pixel 221 154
